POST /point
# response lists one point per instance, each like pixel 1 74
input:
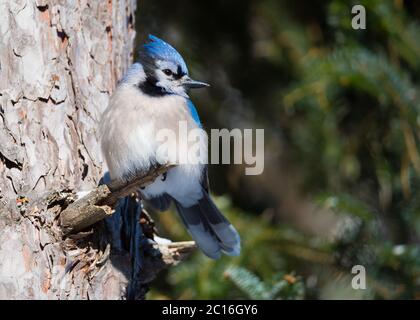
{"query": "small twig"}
pixel 100 202
pixel 170 255
pixel 175 252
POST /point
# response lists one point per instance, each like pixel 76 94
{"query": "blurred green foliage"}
pixel 343 106
pixel 267 249
pixel 287 287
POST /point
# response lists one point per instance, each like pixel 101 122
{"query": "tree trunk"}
pixel 59 62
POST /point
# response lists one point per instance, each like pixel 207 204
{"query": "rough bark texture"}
pixel 59 62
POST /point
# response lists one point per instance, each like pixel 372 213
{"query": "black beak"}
pixel 192 84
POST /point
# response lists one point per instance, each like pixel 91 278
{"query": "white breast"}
pixel 128 138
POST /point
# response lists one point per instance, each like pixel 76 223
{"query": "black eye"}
pixel 167 72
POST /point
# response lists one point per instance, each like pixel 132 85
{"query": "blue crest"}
pixel 159 49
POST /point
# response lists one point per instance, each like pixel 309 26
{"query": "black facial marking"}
pixel 179 73
pixel 150 88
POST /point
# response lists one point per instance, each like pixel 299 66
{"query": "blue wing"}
pixel 194 112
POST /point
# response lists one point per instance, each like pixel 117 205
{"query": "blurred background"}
pixel 341 113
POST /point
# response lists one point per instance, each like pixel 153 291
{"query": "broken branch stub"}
pixel 99 203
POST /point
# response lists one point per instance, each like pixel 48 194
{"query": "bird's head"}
pixel 165 70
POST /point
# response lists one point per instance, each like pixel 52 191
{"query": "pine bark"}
pixel 59 62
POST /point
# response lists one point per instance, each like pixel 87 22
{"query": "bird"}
pixel 151 96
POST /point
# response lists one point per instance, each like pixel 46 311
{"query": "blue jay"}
pixel 153 96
